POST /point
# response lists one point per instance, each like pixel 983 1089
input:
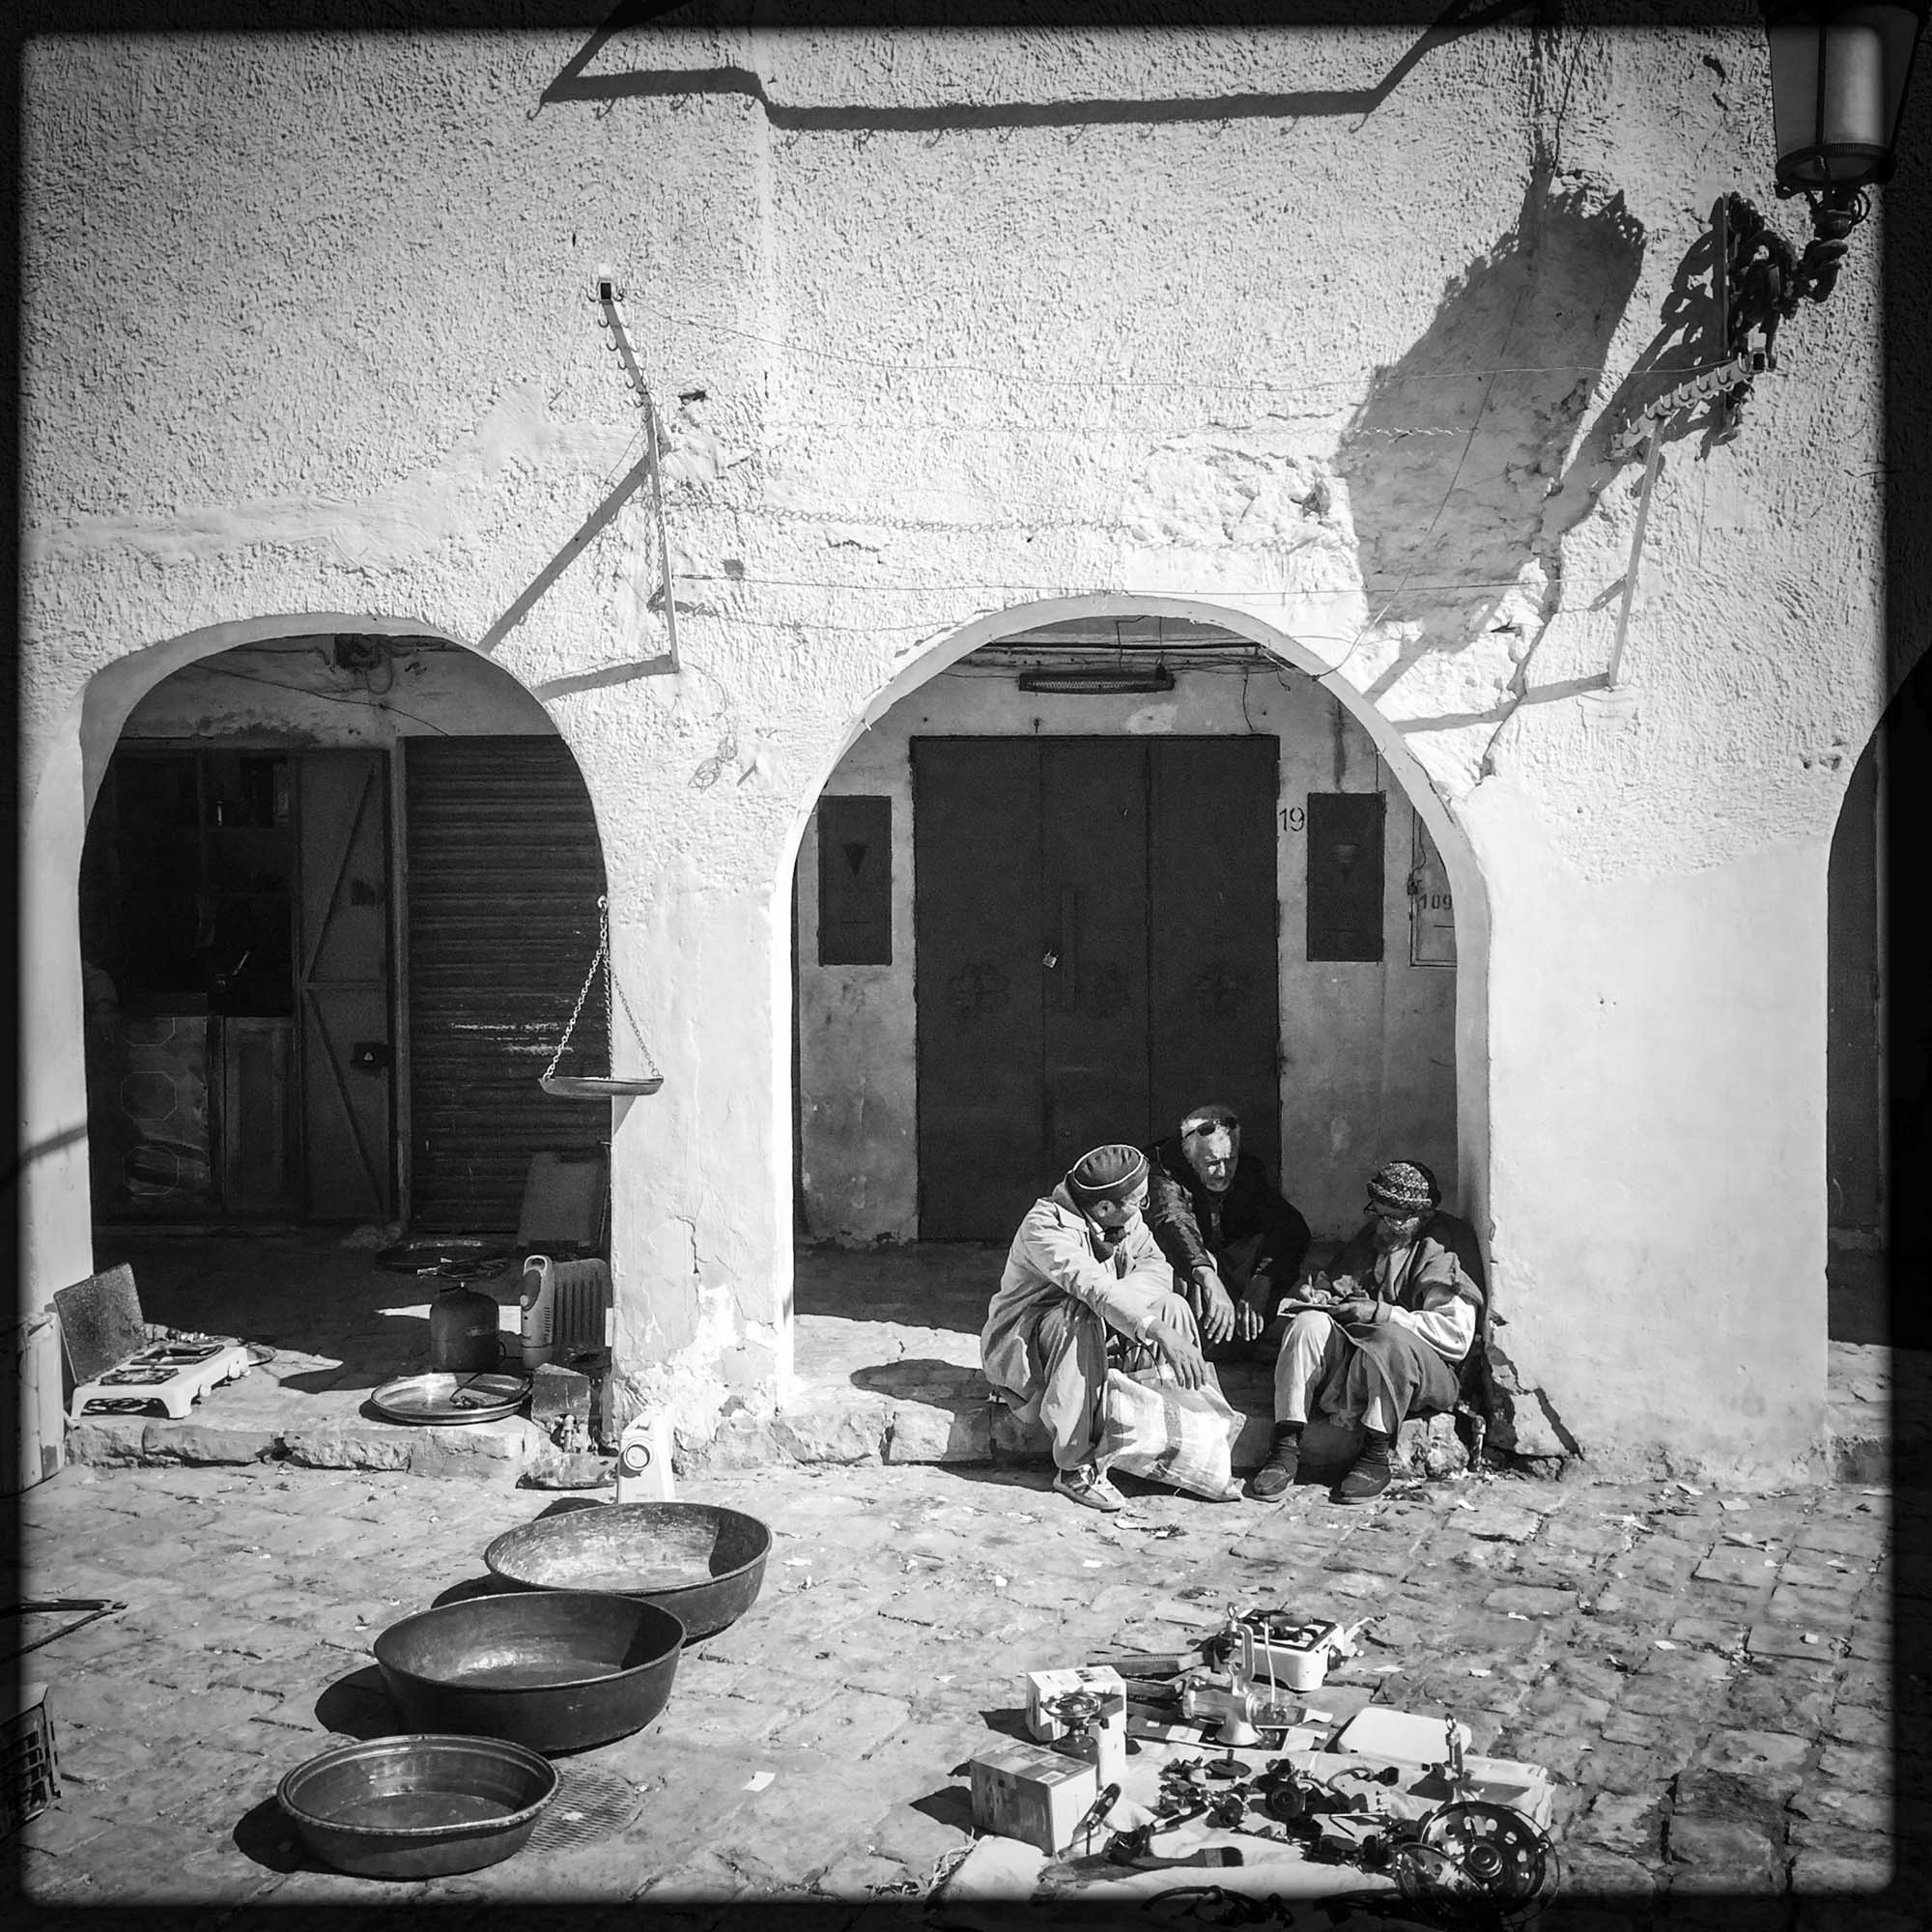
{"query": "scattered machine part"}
pixel 1508 1859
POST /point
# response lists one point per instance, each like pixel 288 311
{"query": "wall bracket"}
pixel 609 298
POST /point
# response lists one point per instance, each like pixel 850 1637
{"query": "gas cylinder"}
pixel 463 1331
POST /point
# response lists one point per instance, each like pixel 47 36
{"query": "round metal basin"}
pixel 704 1563
pixel 417 1807
pixel 554 1669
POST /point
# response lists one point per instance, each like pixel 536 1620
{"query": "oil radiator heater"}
pixel 567 1309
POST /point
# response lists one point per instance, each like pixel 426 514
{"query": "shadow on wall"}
pixel 1687 339
pixel 1456 461
pixel 643 81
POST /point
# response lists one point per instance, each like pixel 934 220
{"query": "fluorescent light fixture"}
pixel 1097 681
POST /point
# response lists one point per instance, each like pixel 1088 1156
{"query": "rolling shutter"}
pixel 505 869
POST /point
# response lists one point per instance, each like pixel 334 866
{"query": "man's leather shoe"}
pixel 1284 1457
pixel 1371 1473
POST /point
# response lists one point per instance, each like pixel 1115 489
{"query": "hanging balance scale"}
pixel 601 1085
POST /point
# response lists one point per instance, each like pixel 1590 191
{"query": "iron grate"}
pixel 590 1806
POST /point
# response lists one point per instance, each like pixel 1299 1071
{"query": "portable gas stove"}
pixel 176 1374
pixel 122 1366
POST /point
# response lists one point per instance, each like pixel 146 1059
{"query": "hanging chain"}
pixel 584 991
pixel 612 984
pixel 602 957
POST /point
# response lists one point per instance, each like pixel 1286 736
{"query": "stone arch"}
pixel 69 766
pixel 1878 1036
pixel 1452 842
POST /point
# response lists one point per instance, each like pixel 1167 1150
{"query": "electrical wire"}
pixel 818 429
pixel 369 704
pixel 1272 591
pixel 982 371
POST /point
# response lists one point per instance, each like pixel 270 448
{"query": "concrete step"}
pixel 946 1413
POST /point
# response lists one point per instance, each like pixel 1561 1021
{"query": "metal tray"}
pixel 456 1257
pixel 416 1807
pixel 446 1397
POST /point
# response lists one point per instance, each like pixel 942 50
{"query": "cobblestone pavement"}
pixel 1710 1677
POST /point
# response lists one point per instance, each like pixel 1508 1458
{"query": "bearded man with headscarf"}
pixel 1383 1335
pixel 1082 1266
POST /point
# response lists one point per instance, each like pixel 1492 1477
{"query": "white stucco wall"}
pixel 1368 1051
pixel 1337 361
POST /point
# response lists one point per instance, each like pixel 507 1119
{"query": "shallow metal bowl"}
pixel 417 1807
pixel 704 1563
pixel 552 1669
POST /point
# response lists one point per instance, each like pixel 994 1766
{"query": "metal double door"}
pixel 1095 931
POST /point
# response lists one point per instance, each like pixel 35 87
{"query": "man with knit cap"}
pixel 1084 1264
pixel 1382 1336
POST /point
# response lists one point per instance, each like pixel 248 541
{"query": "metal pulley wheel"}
pixel 1483 1855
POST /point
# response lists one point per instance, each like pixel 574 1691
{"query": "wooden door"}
pixel 976 978
pixel 1094 851
pixel 1214 1004
pixel 1095 931
pixel 342 985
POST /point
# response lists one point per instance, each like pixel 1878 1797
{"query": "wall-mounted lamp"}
pixel 1840 70
pixel 1839 74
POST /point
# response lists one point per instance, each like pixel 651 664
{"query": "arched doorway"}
pixel 1081 872
pixel 337 893
pixel 1879 1039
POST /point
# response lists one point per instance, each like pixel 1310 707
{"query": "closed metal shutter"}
pixel 506 870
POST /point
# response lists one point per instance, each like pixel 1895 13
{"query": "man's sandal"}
pixel 1088 1486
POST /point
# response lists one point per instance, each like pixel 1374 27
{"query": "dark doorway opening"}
pixel 1878 1041
pixel 235 940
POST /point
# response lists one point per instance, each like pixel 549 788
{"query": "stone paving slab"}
pixel 815 1751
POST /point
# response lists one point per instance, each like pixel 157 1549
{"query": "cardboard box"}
pixel 1399 1735
pixel 1026 1792
pixel 1043 1687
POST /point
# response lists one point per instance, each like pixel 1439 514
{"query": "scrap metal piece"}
pixel 95 1607
pixel 1510 1863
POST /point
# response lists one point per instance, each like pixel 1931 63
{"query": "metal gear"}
pixel 1511 1864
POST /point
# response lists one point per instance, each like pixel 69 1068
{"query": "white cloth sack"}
pixel 1155 1428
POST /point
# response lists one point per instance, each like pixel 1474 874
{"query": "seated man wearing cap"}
pixel 1383 1336
pixel 1231 1237
pixel 1082 1263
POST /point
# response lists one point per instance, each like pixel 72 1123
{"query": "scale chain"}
pixel 602 957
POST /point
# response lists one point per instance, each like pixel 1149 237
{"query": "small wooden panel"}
pixel 1345 875
pixel 855 881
